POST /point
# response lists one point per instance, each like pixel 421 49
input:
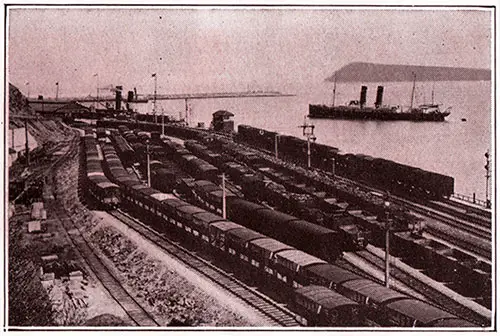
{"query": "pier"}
pixel 175 96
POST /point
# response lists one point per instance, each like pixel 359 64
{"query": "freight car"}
pixel 257 254
pixel 97 185
pixel 271 259
pixel 385 174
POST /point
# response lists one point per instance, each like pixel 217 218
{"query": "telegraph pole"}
pixel 154 97
pixel 187 111
pixel 308 131
pixel 162 122
pixel 488 175
pixel 57 90
pixel 27 145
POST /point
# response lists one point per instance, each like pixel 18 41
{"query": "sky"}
pixel 209 49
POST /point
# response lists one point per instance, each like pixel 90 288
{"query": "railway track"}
pixel 433 295
pixel 270 310
pixel 478 230
pixel 462 211
pixel 133 309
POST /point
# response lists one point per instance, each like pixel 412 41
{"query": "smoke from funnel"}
pixel 380 96
pixel 362 98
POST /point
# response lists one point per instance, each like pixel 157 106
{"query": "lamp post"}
pixel 488 175
pixel 147 163
pixel 28 89
pixel 387 232
pixel 308 131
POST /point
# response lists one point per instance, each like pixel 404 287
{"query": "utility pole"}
pixel 162 122
pixel 27 145
pixel 28 86
pixel 147 163
pixel 308 131
pixel 187 111
pixel 97 91
pixel 224 196
pixel 488 175
pixel 154 98
pixel 57 90
pixel 387 255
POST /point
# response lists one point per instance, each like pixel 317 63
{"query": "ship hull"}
pixel 339 112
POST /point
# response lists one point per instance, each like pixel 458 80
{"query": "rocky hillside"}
pixel 42 130
pixel 18 103
pixel 371 72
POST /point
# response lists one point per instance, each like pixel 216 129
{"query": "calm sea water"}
pixel 454 147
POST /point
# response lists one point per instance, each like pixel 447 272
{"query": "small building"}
pixel 72 110
pixel 222 121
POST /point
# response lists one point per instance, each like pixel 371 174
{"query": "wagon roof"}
pixel 244 234
pixel 107 185
pixel 202 183
pixel 276 216
pixel 226 226
pixel 218 193
pixel 332 273
pixel 174 203
pixel 325 297
pixel 309 227
pixel 162 196
pixel 298 257
pixel 419 310
pixel 374 291
pixel 190 209
pixel 246 204
pixel 270 245
pixel 208 217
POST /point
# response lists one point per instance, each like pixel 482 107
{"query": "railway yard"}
pixel 230 234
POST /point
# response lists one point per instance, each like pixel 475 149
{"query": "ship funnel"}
pixel 362 98
pixel 118 98
pixel 380 95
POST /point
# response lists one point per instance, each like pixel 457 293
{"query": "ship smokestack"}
pixel 380 96
pixel 118 98
pixel 130 96
pixel 362 98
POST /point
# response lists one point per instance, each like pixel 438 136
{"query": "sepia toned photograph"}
pixel 234 168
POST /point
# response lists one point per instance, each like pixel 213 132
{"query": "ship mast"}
pixel 334 89
pixel 413 90
pixel 432 99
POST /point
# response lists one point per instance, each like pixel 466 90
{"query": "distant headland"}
pixel 372 72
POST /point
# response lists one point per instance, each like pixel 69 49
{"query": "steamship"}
pixel 357 110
